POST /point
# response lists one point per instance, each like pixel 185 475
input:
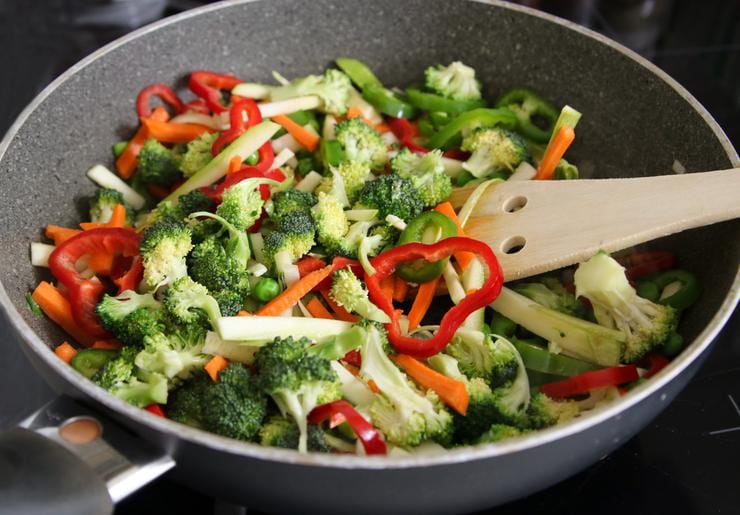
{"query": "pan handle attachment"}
pixel 68 459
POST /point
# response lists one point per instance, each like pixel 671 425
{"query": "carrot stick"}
pixel 59 234
pixel 65 351
pixel 421 304
pixel 387 286
pixel 463 258
pixel 126 162
pixel 339 311
pixel 294 293
pixel 451 391
pixel 57 307
pixel 317 309
pixel 234 165
pixel 306 138
pixel 107 344
pixel 215 365
pixel 166 132
pixel 243 313
pixel 555 152
pixel 400 289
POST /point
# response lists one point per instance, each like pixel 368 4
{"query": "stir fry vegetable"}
pixel 281 265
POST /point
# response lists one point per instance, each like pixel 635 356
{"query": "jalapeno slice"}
pixel 428 227
pixel 528 106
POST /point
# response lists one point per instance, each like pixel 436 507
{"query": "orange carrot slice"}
pixel 339 311
pixel 294 293
pixel 65 352
pixel 421 304
pixel 57 308
pixel 59 234
pixel 451 391
pixel 167 132
pixel 463 258
pixel 215 365
pixel 317 309
pixel 306 138
pixel 127 161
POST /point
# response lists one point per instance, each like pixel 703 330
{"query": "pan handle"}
pixel 68 459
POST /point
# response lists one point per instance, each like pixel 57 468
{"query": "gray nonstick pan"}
pixel 636 121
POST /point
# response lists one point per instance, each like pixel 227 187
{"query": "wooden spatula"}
pixel 538 226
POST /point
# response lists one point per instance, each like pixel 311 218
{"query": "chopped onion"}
pixel 251 90
pixel 523 172
pixel 283 157
pixel 309 182
pixel 452 167
pixel 454 286
pixel 216 123
pixel 103 177
pixel 257 270
pixel 396 222
pixel 288 106
pixel 389 138
pixel 367 110
pixel 327 130
pixel 361 215
pixel 258 246
pixel 286 141
pixel 231 350
pixel 678 167
pixel 40 253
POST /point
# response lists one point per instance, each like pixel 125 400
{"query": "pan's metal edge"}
pixel 215 442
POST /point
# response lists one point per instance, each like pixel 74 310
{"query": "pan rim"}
pixel 452 456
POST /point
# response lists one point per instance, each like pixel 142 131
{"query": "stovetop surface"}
pixel 687 461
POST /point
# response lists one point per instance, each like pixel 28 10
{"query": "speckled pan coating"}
pixel 635 123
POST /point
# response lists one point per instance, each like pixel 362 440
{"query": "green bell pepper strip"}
pixel 88 361
pixel 541 360
pixel 481 117
pixel 537 378
pixel 387 102
pixel 501 325
pixel 438 103
pixel 648 290
pixel 687 294
pixel 525 103
pixel 332 152
pixel 358 72
pixel 428 227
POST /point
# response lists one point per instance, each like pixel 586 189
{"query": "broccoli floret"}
pixel 237 244
pixel 137 325
pixel 294 235
pixel 387 236
pixel 165 212
pixel 551 293
pixel 456 81
pixel 188 302
pixel 157 164
pixel 544 411
pixel 426 173
pixel 511 400
pixel 241 205
pixel 493 149
pixel 333 88
pixel 197 154
pixel 193 202
pixel 113 310
pixel 234 406
pixel 391 195
pixel 102 204
pixel 227 281
pixel 498 432
pixel 565 171
pixel 288 201
pixel 121 377
pixel 296 380
pixel 347 291
pixel 404 415
pixel 331 222
pixel 353 174
pixel 175 355
pixel 283 432
pixel 645 324
pixel 571 335
pixel 184 404
pixel 485 356
pixel 361 143
pixel 163 249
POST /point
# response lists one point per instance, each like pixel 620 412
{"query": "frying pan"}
pixel 636 121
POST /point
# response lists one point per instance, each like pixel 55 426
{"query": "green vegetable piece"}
pixel 438 103
pixel 387 102
pixel 455 81
pixel 536 116
pixel 502 326
pixel 33 305
pixel 648 290
pixel 266 289
pixel 428 227
pixel 252 158
pixel 358 72
pixel 88 361
pixel 467 122
pixel 118 148
pixel 684 289
pixel 674 345
pixel 537 358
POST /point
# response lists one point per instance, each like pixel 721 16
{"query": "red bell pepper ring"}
pixel 656 363
pixel 208 85
pixel 387 262
pixel 130 279
pixel 84 294
pixel 155 409
pixel 406 131
pixel 237 125
pixel 368 435
pixel 640 264
pixel 584 383
pixel 164 92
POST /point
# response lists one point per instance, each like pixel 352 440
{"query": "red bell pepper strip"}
pixel 406 131
pixel 368 435
pixel 164 92
pixel 640 264
pixel 198 105
pixel 656 363
pixel 583 383
pixel 155 409
pixel 84 294
pixel 385 265
pixel 208 86
pixel 130 279
pixel 239 109
pixel 353 357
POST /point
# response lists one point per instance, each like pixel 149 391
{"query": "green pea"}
pixel 252 159
pixel 648 290
pixel 501 325
pixel 266 289
pixel 674 345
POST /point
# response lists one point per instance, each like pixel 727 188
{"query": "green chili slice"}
pixel 428 227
